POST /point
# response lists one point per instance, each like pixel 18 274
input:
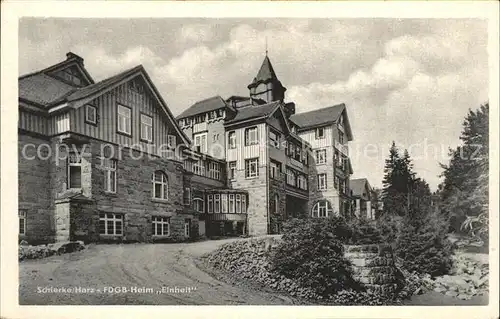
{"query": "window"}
pixel 187 227
pixel 187 196
pixel 74 171
pixel 322 182
pixel 298 153
pixel 124 119
pixel 198 205
pixel 22 222
pixel 275 204
pixel 223 200
pixel 160 185
pixel 336 158
pixel 274 139
pixel 90 114
pixel 146 128
pixel 336 182
pixel 290 177
pixel 302 182
pixel 171 141
pixel 231 139
pixel 109 167
pixel 323 208
pixel 243 204
pixel 110 224
pixel 341 137
pixel 160 226
pixel 199 167
pixel 200 140
pixel 231 203
pixel 274 169
pixel 210 199
pixel 321 156
pixel 199 119
pixel 187 121
pixel 238 204
pixel 214 170
pixel 320 133
pixel 232 170
pixel 217 203
pixel 251 167
pixel 251 136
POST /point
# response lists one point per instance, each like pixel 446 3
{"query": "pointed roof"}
pixel 203 106
pixel 266 73
pixel 321 117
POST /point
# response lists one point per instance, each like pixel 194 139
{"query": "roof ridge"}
pixel 320 109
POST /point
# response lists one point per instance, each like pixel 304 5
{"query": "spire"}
pixel 265 85
pixel 266 72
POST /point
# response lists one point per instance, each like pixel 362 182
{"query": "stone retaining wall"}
pixel 374 267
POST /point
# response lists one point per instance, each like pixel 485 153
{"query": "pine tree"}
pixel 464 191
pixel 390 192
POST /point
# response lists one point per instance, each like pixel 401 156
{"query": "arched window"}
pixel 322 208
pixel 198 205
pixel 160 185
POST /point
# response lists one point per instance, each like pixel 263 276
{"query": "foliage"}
pixel 351 297
pixel 477 226
pixel 464 191
pixel 389 226
pixel 423 246
pixel 311 253
pixel 364 231
pixel 402 191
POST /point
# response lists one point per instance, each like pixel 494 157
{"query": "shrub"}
pixel 423 247
pixel 363 232
pixel 389 226
pixel 311 252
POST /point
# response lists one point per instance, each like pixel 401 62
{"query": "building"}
pixel 107 161
pixel 362 194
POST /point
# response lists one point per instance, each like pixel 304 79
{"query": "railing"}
pixel 343 148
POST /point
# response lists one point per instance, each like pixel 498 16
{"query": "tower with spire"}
pixel 266 87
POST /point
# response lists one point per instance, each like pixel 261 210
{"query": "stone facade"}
pixel 34 188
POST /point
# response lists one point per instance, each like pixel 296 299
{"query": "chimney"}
pixel 71 55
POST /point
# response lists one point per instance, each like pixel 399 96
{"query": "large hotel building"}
pixel 108 161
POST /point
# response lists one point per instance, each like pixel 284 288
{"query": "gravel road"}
pixel 152 274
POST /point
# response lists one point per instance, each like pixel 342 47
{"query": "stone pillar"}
pixel 369 210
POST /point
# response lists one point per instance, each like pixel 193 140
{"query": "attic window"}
pixel 71 75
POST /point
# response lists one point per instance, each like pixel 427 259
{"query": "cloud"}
pixel 403 80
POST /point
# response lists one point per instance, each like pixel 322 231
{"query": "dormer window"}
pixel 90 114
pixel 199 119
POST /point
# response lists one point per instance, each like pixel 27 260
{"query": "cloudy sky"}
pixel 411 80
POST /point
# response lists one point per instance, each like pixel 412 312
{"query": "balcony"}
pixel 343 148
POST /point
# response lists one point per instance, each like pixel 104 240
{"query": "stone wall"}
pixel 34 189
pixel 258 200
pixel 374 267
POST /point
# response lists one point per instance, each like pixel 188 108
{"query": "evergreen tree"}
pixel 391 182
pixel 464 191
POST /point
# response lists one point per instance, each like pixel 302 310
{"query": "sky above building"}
pixel 411 81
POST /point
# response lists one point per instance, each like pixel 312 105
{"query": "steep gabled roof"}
pixel 359 186
pixel 254 112
pixel 43 89
pixel 101 85
pixel 321 117
pixel 318 117
pixel 203 106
